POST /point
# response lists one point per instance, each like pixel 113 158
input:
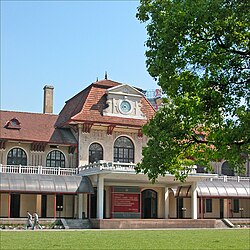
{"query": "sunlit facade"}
pixel 80 164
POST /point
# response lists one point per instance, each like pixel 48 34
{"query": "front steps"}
pixel 155 223
pixel 76 223
pixel 19 223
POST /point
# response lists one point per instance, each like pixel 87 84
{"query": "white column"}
pixel 80 207
pixel 85 204
pixel 194 201
pixel 100 194
pixel 166 203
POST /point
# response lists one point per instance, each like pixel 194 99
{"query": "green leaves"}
pixel 199 53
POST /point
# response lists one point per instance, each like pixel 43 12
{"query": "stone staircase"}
pixel 76 223
pixel 155 223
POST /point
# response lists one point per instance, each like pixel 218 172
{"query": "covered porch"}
pixel 51 196
pixel 121 193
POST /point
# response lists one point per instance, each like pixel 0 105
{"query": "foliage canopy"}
pixel 198 52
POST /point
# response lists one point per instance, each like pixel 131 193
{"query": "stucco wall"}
pixel 3 205
pixel 28 202
pixel 215 209
pixel 107 142
pixel 172 205
pixel 50 205
pixel 35 158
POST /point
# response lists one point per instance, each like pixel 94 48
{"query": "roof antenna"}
pixel 106 75
pixel 97 79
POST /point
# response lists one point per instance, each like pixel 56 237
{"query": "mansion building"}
pixel 81 164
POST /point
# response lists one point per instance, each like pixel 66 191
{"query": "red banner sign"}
pixel 124 202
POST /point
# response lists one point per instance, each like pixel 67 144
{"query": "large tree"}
pixel 198 51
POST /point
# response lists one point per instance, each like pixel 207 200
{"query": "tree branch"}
pixel 223 46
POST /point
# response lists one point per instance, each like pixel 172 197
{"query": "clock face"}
pixel 125 106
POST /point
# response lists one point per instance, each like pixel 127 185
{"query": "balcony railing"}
pixel 103 165
pixel 37 170
pixel 93 168
pixel 226 178
pixel 119 166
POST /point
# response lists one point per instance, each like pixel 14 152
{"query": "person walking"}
pixel 29 220
pixel 36 221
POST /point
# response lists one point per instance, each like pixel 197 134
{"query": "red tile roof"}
pixel 87 106
pixel 33 127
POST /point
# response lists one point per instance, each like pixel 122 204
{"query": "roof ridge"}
pixel 106 80
pixel 31 113
pixel 84 101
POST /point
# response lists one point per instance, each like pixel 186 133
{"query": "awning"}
pixel 33 183
pixel 224 189
pixel 217 189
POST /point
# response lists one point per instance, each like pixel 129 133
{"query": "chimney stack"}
pixel 48 99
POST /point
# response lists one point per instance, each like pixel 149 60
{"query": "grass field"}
pixel 127 239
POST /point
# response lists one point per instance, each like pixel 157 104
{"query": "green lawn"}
pixel 127 239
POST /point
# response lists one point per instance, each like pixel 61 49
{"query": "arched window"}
pixel 95 152
pixel 55 159
pixel 17 156
pixel 226 169
pixel 123 150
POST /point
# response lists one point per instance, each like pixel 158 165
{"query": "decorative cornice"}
pixel 140 134
pixel 87 127
pixel 110 129
pixel 38 146
pixel 3 144
pixel 72 149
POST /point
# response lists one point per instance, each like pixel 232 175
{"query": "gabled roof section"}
pixel 35 127
pixel 75 105
pixel 125 89
pixel 87 106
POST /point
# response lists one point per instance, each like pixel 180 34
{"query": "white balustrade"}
pixel 37 170
pixel 93 167
pixel 103 165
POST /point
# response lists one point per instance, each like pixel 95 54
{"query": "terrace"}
pixel 97 168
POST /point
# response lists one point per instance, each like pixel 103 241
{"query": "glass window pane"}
pixel 17 156
pixel 95 153
pixel 55 159
pixel 123 150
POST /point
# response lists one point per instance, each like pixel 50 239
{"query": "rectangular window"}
pixel 236 206
pixel 208 205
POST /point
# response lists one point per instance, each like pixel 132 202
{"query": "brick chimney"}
pixel 48 99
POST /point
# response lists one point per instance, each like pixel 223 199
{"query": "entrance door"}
pixel 179 207
pixel 15 205
pixel 221 208
pixel 44 206
pixel 149 204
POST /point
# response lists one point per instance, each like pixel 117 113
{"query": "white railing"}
pixel 119 166
pixel 97 166
pixel 37 170
pixel 103 165
pixel 226 178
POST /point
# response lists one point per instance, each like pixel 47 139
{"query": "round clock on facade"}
pixel 125 106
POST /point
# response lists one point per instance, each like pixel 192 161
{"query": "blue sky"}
pixel 68 44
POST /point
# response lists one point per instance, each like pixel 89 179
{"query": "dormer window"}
pixel 13 124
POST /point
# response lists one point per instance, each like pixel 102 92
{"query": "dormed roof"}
pixel 33 127
pixel 87 107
